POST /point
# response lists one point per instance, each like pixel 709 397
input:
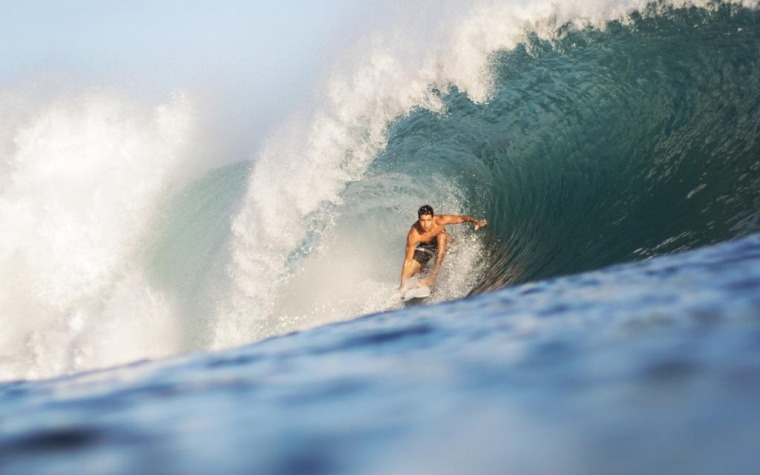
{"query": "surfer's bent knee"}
pixel 443 240
pixel 415 267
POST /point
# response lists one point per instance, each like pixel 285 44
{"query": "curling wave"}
pixel 603 145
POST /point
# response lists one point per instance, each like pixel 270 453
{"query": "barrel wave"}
pixel 585 144
pixel 603 145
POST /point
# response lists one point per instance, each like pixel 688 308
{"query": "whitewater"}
pixel 163 315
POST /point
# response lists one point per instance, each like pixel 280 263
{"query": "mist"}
pixel 244 66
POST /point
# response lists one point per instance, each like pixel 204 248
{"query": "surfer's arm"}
pixel 459 219
pixel 408 267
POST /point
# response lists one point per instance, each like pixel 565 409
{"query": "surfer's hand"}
pixel 481 224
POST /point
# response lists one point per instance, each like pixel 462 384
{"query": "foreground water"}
pixel 650 367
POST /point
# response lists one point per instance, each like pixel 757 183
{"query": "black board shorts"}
pixel 425 251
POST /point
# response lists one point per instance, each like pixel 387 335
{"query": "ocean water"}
pixel 161 317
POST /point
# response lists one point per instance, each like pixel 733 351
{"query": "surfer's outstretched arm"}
pixel 459 219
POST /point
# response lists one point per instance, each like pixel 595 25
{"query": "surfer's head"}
pixel 425 215
pixel 426 209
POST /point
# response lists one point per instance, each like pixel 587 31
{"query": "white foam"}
pixel 80 177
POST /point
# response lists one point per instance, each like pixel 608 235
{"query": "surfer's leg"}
pixel 443 246
pixel 416 266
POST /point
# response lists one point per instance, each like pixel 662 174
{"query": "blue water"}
pixel 606 321
pixel 643 368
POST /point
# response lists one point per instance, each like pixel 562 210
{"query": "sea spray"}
pixel 81 177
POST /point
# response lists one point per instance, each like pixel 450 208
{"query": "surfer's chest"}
pixel 430 237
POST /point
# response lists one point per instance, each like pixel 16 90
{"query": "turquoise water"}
pixel 600 147
pixel 244 320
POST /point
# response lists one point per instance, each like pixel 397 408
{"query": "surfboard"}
pixel 414 290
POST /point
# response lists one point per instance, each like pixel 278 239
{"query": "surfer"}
pixel 427 239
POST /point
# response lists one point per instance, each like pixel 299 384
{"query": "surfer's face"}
pixel 426 222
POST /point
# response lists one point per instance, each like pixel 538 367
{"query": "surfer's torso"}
pixel 427 241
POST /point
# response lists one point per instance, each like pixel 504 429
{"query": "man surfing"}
pixel 428 239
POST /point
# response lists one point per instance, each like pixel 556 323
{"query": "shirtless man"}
pixel 427 239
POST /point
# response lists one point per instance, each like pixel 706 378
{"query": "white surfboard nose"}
pixel 416 291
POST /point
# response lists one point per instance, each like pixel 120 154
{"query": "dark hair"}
pixel 426 209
